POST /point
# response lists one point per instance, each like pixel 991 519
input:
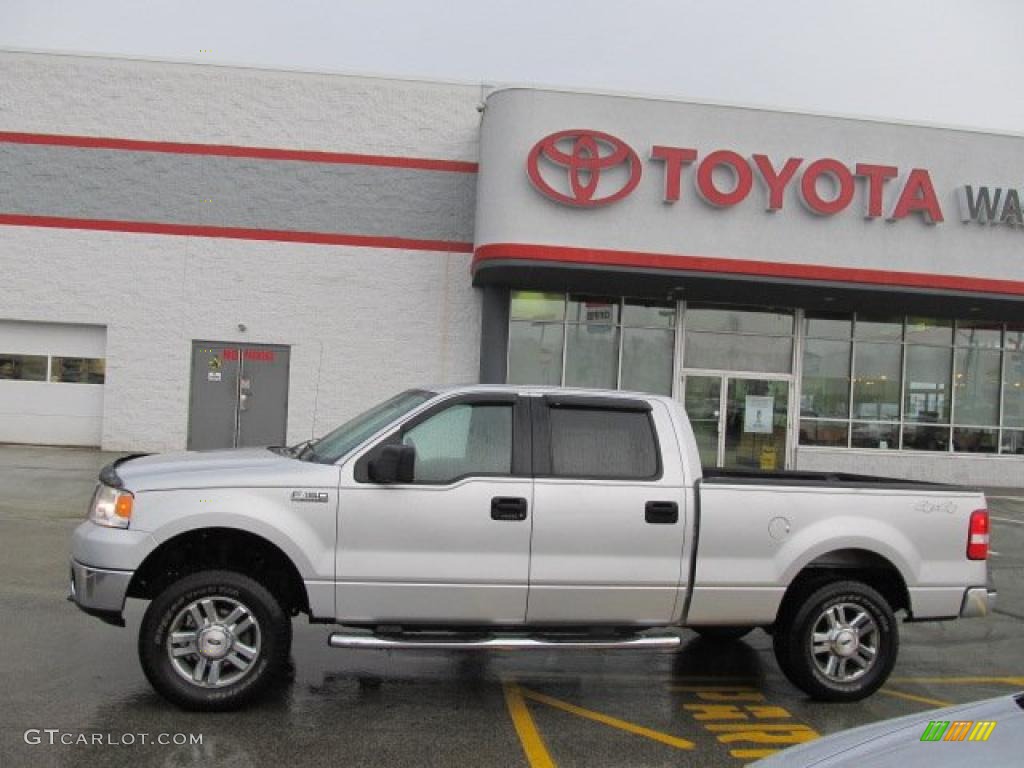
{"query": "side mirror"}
pixel 394 464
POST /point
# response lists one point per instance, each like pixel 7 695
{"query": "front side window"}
pixel 462 440
pixel 603 444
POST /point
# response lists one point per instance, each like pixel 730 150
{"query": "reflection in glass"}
pixel 23 367
pixel 976 387
pixel 878 328
pixel 1013 441
pixel 824 325
pixel 927 386
pixel 734 320
pixel 884 436
pixel 876 383
pixel 591 356
pixel 924 437
pixel 78 370
pixel 826 379
pixel 593 309
pixel 647 360
pixel 649 314
pixel 535 353
pixel 975 440
pixel 1013 390
pixel 926 330
pixel 827 433
pixel 978 334
pixel 770 354
pixel 755 424
pixel 534 305
pixel 702 403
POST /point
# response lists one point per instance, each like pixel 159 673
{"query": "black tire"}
pixel 727 634
pixel 793 642
pixel 270 634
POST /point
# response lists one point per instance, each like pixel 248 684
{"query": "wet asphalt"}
pixel 712 704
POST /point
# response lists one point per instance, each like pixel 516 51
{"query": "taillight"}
pixel 977 536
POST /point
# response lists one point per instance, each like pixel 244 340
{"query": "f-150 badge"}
pixel 320 496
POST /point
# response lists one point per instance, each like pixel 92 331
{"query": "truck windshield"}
pixel 336 444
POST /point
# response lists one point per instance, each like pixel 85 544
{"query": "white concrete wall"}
pixel 362 322
pixel 958 468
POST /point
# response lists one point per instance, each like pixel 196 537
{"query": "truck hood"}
pixel 233 468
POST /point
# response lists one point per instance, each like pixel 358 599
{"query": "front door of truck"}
pixel 609 516
pixel 454 544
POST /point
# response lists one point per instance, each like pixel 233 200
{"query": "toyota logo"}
pixel 577 161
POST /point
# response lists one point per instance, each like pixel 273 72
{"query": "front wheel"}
pixel 214 640
pixel 840 643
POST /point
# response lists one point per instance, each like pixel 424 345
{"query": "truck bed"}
pixel 830 479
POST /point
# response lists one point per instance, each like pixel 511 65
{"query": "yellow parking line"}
pixel 614 722
pixel 918 699
pixel 536 751
pixel 977 680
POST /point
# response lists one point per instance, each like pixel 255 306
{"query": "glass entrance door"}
pixel 739 422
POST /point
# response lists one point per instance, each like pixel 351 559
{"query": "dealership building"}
pixel 207 256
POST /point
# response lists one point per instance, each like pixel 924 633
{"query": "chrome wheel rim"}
pixel 214 642
pixel 844 642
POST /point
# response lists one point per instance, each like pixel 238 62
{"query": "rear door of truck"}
pixel 609 514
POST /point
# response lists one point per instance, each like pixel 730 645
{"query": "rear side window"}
pixel 603 444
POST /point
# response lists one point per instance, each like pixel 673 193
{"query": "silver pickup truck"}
pixel 508 518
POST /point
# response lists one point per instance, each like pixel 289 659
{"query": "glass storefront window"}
pixel 649 314
pixel 534 305
pixel 1013 441
pixel 968 440
pixel 884 436
pixel 876 383
pixel 23 367
pixel 535 353
pixel 927 386
pixel 591 356
pixel 1015 337
pixel 587 309
pixel 925 330
pixel 973 333
pixel 724 351
pixel 924 437
pixel 832 434
pixel 826 379
pixel 78 370
pixel 821 325
pixel 739 320
pixel 878 328
pixel 1013 390
pixel 647 355
pixel 976 387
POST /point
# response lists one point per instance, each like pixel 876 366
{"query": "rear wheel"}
pixel 214 640
pixel 723 633
pixel 840 643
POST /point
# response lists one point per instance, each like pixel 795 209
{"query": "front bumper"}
pixel 100 592
pixel 978 602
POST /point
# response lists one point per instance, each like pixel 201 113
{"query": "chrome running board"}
pixel 453 642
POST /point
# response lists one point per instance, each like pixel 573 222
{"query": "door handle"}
pixel 661 512
pixel 508 508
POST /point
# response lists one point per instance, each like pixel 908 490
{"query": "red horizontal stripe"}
pixel 226 150
pixel 237 233
pixel 681 262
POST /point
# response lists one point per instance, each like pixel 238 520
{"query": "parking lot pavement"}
pixel 711 704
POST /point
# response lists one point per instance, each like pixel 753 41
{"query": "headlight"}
pixel 111 507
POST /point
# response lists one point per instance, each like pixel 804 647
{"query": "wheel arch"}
pixel 850 563
pixel 222 548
